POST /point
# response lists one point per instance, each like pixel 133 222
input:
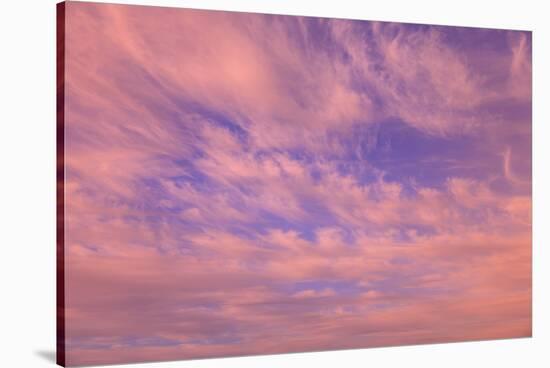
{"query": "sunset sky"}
pixel 244 184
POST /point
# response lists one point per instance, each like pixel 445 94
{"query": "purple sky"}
pixel 249 184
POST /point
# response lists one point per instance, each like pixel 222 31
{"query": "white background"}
pixel 27 181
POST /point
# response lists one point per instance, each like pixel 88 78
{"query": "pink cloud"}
pixel 225 194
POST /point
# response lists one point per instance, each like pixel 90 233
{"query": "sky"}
pixel 243 184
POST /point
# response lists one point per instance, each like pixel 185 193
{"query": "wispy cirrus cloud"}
pixel 242 184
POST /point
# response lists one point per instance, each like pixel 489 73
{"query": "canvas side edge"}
pixel 60 186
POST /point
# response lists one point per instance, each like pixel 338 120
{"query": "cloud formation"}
pixel 249 184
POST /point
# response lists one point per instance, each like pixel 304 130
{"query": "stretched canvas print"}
pixel 236 184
